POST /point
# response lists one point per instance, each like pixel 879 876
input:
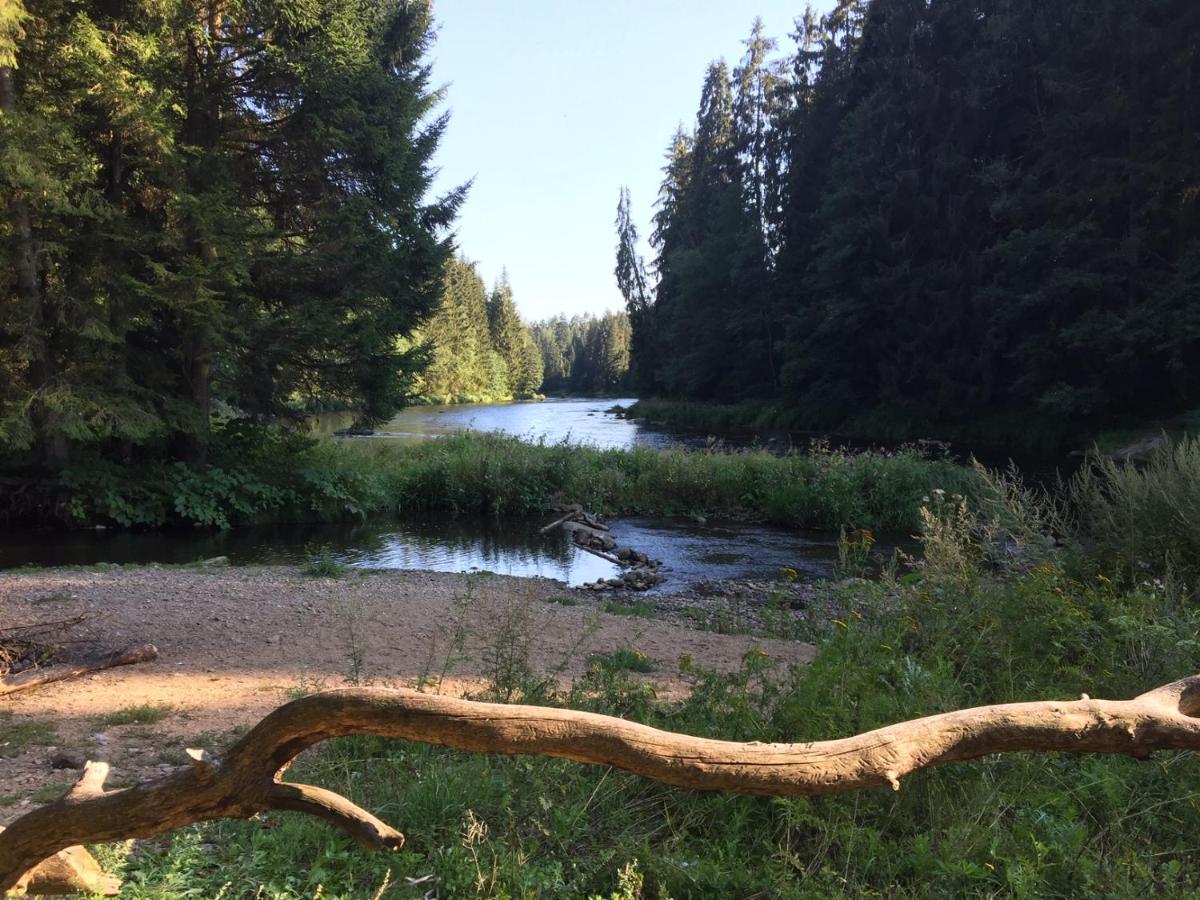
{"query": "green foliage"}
pixel 254 474
pixel 480 349
pixel 1141 520
pixel 499 475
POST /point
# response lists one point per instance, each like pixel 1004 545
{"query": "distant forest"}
pixel 585 354
pixel 935 212
pixel 477 349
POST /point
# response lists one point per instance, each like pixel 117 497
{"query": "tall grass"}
pixel 499 475
pixel 1141 520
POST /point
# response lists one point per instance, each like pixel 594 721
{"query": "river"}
pixel 689 551
pixel 578 421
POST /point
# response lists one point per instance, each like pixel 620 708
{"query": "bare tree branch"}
pixel 36 677
pixel 245 781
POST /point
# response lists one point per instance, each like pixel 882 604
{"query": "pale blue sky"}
pixel 556 104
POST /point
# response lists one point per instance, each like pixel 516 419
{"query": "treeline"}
pixel 585 354
pixel 209 206
pixel 478 347
pixel 935 213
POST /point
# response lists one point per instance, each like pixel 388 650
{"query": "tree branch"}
pixel 246 780
pixel 36 677
pixel 338 811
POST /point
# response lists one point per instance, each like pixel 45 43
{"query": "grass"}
pixel 640 609
pixel 623 660
pixel 48 793
pixel 502 476
pixel 323 565
pixel 140 714
pixel 16 738
pixel 263 475
pixel 1138 520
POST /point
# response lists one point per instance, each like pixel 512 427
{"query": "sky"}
pixel 555 104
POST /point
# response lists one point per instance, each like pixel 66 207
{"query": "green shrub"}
pixel 323 565
pixel 1141 519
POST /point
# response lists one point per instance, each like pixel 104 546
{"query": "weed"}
pixel 48 793
pixel 997 613
pixel 323 565
pixel 623 660
pixel 16 738
pixel 1137 518
pixel 140 714
pixel 639 609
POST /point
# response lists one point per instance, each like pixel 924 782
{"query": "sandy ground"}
pixel 236 642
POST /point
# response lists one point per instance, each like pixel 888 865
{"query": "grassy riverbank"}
pixel 997 611
pixel 1025 434
pixel 498 475
pixel 265 476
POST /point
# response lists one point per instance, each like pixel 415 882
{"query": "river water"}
pixel 690 552
pixel 578 421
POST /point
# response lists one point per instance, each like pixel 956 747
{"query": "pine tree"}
pixel 211 201
pixel 633 283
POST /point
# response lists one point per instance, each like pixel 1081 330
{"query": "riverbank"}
pixel 265 476
pixel 234 643
pixel 1028 434
pixel 997 608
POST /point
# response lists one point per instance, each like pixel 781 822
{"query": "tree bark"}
pixel 246 780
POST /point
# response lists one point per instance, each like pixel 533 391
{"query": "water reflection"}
pixel 586 421
pixel 689 552
pixel 437 543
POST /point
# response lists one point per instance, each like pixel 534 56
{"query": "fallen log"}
pixel 246 780
pixel 35 677
pixel 546 529
pixel 601 554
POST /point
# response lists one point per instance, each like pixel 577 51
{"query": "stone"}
pixel 67 759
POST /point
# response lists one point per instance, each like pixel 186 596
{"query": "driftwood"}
pixel 245 781
pixel 602 554
pixel 35 677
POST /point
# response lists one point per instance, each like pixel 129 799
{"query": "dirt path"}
pixel 236 642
